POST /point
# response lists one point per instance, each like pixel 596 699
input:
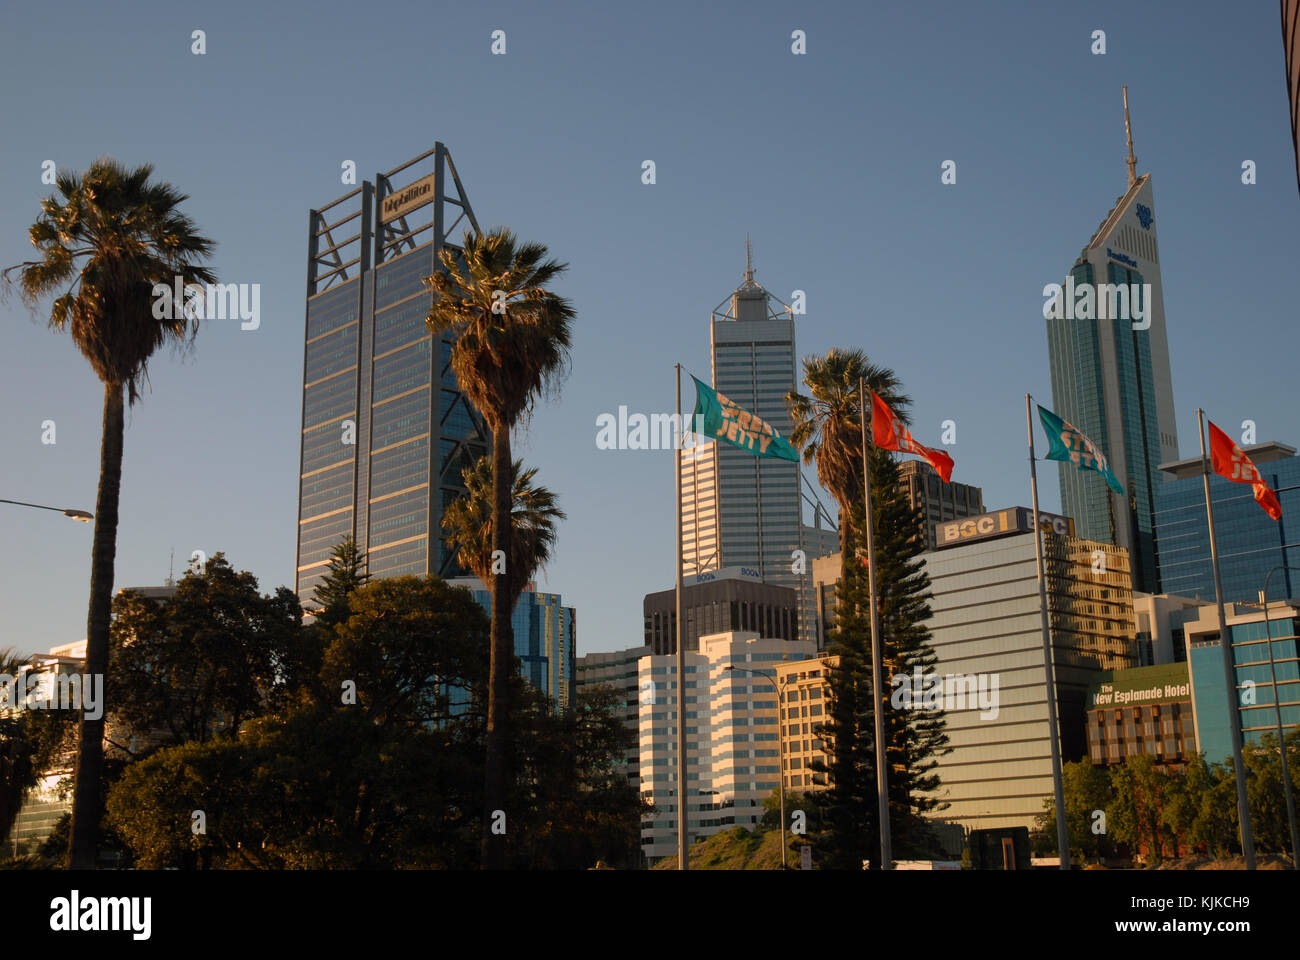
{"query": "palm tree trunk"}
pixel 496 763
pixel 90 743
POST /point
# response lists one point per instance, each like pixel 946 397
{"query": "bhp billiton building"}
pixel 386 430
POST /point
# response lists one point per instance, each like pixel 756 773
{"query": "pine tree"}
pixel 347 572
pixel 914 737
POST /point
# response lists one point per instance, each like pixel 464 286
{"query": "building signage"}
pixel 1141 685
pixel 402 202
pixel 1002 523
pixel 1121 257
pixel 726 573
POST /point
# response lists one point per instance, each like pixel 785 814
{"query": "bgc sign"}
pixel 1002 523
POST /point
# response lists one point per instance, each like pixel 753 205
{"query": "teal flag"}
pixel 1071 446
pixel 719 418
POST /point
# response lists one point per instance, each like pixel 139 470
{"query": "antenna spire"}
pixel 749 262
pixel 1128 131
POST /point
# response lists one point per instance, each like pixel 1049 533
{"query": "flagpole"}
pixel 1058 788
pixel 683 838
pixel 877 663
pixel 1229 672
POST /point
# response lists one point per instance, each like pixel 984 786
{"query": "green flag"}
pixel 1071 446
pixel 719 418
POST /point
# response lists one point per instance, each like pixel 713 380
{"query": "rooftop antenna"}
pixel 749 262
pixel 1128 130
pixel 171 567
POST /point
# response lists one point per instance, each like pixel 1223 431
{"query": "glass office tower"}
pixel 386 430
pixel 1251 543
pixel 545 634
pixel 1113 382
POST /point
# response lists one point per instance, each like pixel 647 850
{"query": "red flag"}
pixel 890 434
pixel 1231 463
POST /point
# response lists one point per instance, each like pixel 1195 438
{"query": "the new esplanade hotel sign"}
pixel 1001 523
pixel 402 202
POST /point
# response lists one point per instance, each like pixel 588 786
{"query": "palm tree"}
pixel 828 426
pixel 533 513
pixel 512 341
pixel 103 247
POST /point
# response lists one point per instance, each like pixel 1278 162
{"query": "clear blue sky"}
pixel 830 161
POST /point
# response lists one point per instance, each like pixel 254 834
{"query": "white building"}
pixel 731 718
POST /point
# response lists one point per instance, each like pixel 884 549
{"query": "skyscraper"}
pixel 545 634
pixel 719 601
pixel 935 500
pixel 1251 543
pixel 738 509
pixel 1111 377
pixel 386 430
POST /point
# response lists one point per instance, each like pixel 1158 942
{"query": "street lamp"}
pixel 780 746
pixel 79 515
pixel 1277 709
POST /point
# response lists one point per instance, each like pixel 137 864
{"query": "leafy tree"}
pixel 200 663
pixel 1265 792
pixel 409 645
pixel 511 341
pixel 1141 792
pixel 394 779
pixel 574 804
pixel 1087 790
pixel 1217 827
pixel 347 574
pixel 320 788
pixel 1184 798
pixel 103 247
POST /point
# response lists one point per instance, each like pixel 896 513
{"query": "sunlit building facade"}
pixel 986 628
pixel 1111 377
pixel 386 430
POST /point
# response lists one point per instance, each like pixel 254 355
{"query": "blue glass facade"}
pixel 1108 346
pixel 1075 358
pixel 1141 438
pixel 545 642
pixel 1254 694
pixel 379 396
pixel 1078 393
pixel 1251 543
